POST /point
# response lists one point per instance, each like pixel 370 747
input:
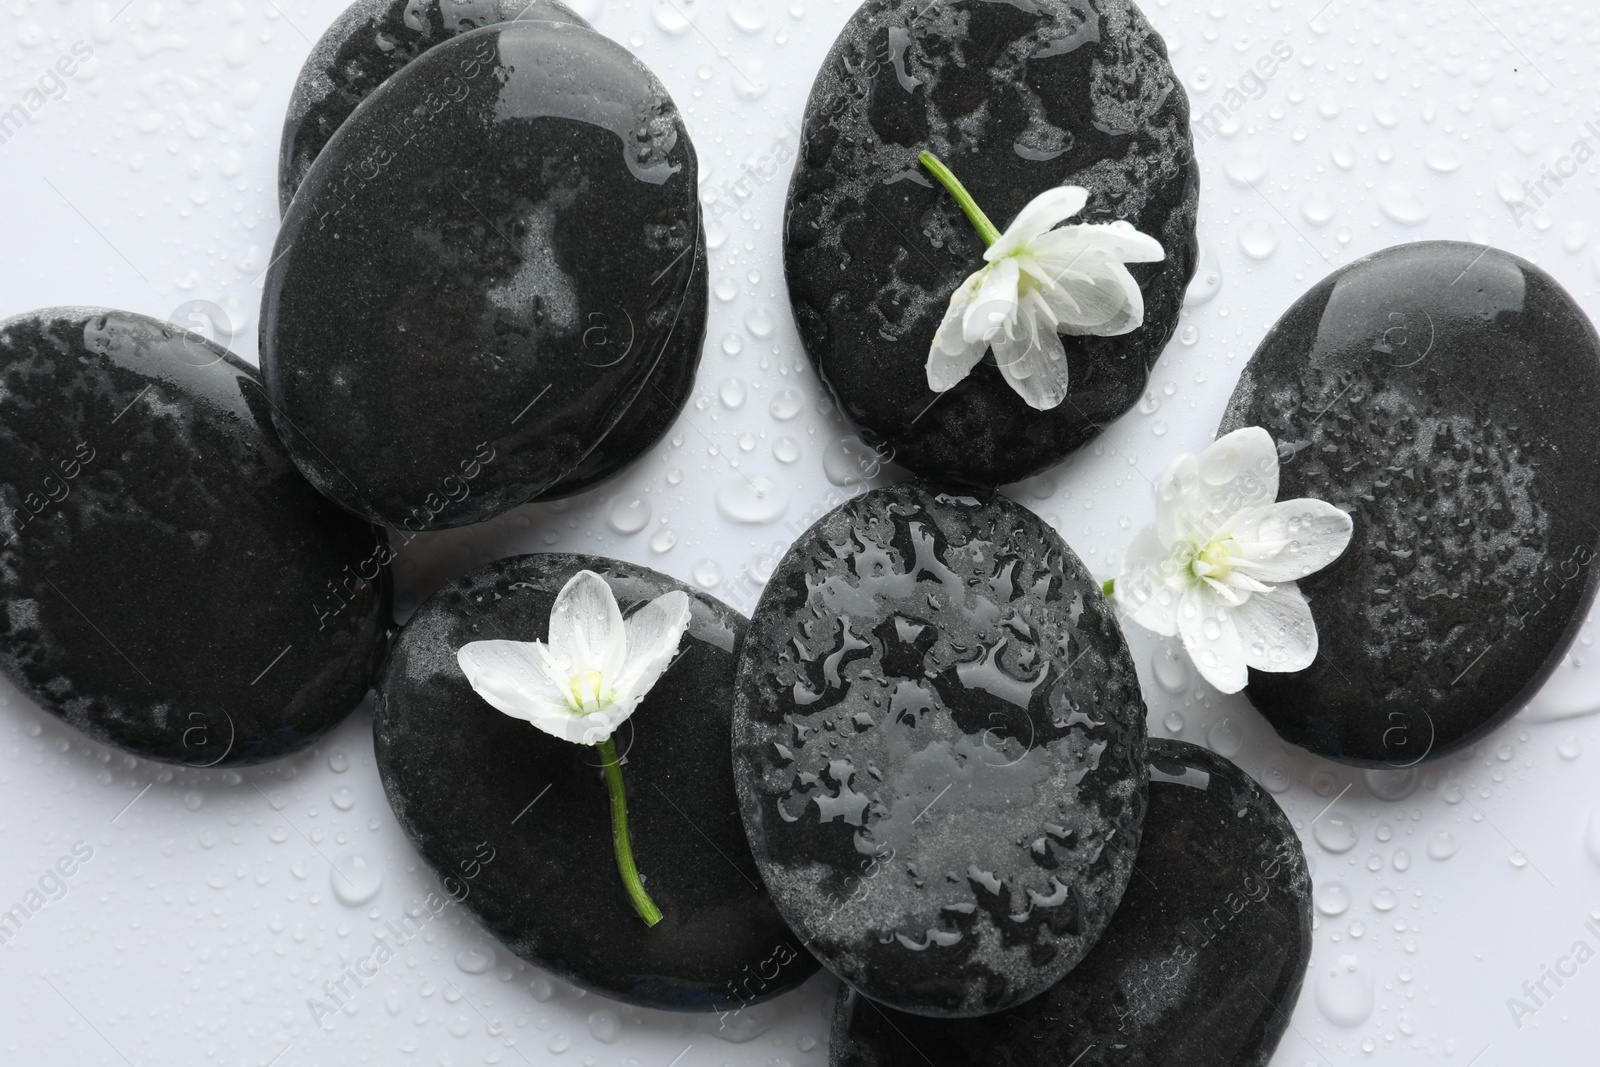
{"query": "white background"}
pixel 207 917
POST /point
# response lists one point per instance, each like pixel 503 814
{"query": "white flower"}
pixel 1040 282
pixel 595 669
pixel 1219 565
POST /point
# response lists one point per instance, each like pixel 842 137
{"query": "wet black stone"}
pixel 1201 966
pixel 1016 98
pixel 172 586
pixel 366 46
pixel 1446 396
pixel 939 749
pixel 492 261
pixel 461 775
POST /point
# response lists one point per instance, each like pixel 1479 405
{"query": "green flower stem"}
pixel 952 184
pixel 1109 587
pixel 619 836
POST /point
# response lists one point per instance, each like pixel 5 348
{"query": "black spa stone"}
pixel 1015 98
pixel 1201 965
pixel 363 48
pixel 1446 396
pixel 371 41
pixel 171 585
pixel 939 749
pixel 483 273
pixel 461 777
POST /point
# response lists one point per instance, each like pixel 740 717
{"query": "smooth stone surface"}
pixel 364 48
pixel 939 749
pixel 1201 965
pixel 460 775
pixel 172 586
pixel 1446 395
pixel 373 40
pixel 491 260
pixel 1015 98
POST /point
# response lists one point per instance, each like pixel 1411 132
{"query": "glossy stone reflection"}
pixel 482 274
pixel 367 45
pixel 1201 965
pixel 939 746
pixel 172 586
pixel 1446 396
pixel 1016 98
pixel 461 775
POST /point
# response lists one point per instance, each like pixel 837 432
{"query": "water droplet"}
pixel 343 797
pixel 1258 239
pixel 674 16
pixel 1402 204
pixel 786 405
pixel 338 762
pixel 751 500
pixel 1246 168
pixel 1225 737
pixel 1336 832
pixel 1317 208
pixel 1171 667
pixel 1345 992
pixel 356 880
pixel 732 393
pixel 1384 900
pixel 1173 722
pixel 1443 846
pixel 849 462
pixel 759 322
pixel 1442 158
pixel 707 573
pixel 1207 279
pixel 1332 899
pixel 540 988
pixel 748 15
pixel 726 289
pixel 1591 838
pixel 733 344
pixel 786 450
pixel 605 1026
pixel 192 800
pixel 1402 860
pixel 1569 748
pixel 1189 334
pixel 559 1044
pixel 663 540
pixel 1518 860
pixel 475 959
pixel 1275 777
pixel 1388 784
pixel 628 514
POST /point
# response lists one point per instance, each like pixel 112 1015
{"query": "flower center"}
pixel 587 692
pixel 1212 560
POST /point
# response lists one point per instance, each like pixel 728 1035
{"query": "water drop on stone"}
pixel 1336 832
pixel 628 514
pixel 1207 279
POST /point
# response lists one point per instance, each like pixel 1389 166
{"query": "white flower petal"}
pixel 1277 629
pixel 1035 367
pixel 952 356
pixel 586 632
pixel 1117 242
pixel 1041 215
pixel 1198 495
pixel 1286 541
pixel 994 305
pixel 510 678
pixel 1144 588
pixel 1212 639
pixel 654 633
pixel 1094 301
